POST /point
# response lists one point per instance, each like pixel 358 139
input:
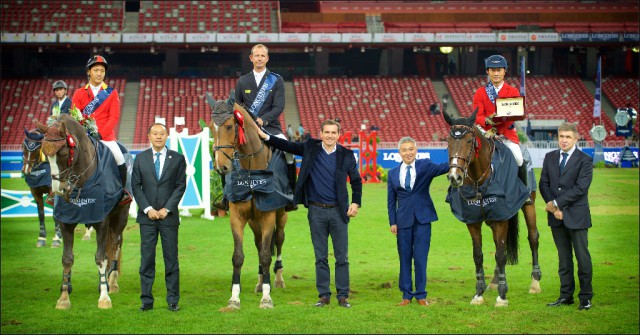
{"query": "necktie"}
pixel 157 164
pixel 564 161
pixel 407 179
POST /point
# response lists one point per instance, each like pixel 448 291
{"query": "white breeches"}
pixel 515 149
pixel 289 157
pixel 115 150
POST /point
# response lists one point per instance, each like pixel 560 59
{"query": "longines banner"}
pixel 631 37
pixel 574 37
pixel 605 37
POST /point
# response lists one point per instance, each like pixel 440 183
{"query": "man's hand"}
pixel 551 207
pixel 259 122
pixel 260 132
pixel 163 213
pixel 153 214
pixel 558 214
pixel 394 229
pixel 489 120
pixel 353 210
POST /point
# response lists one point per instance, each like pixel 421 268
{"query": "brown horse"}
pixel 470 160
pixel 87 187
pixel 37 174
pixel 239 149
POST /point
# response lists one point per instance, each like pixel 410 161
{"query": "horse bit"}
pixel 236 154
pixel 72 179
pixel 458 132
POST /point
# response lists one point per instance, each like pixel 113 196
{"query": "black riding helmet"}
pixel 60 84
pixel 496 61
pixel 97 59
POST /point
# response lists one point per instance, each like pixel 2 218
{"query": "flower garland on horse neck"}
pixel 86 121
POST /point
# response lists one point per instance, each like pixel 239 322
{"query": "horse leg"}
pixel 117 223
pixel 67 264
pixel 263 227
pixel 281 221
pixel 56 242
pixel 533 236
pixel 475 229
pixel 42 236
pixel 499 229
pixel 102 262
pixel 237 230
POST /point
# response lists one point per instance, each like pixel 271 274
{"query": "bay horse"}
pixel 238 149
pixel 478 193
pixel 88 188
pixel 37 175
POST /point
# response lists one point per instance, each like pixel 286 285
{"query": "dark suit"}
pixel 246 92
pixel 570 191
pixel 164 193
pixel 66 105
pixel 327 221
pixel 412 212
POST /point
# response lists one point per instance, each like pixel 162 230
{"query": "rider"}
pixel 485 100
pixel 102 102
pixel 62 103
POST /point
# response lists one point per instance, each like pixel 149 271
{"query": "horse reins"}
pixel 236 153
pixel 72 179
pixel 474 149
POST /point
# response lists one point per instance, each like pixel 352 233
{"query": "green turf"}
pixel 31 277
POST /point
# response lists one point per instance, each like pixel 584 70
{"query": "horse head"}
pixel 464 143
pixel 31 150
pixel 234 136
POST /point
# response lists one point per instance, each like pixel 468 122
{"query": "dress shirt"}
pixel 258 76
pixel 403 173
pixel 163 156
pixel 95 89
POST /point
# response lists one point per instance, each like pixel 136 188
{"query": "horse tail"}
pixel 511 244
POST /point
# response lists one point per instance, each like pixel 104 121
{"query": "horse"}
pixel 240 153
pixel 474 181
pixel 37 175
pixel 87 187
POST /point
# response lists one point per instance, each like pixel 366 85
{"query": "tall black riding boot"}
pixel 291 174
pixel 126 197
pixel 522 175
pixel 224 202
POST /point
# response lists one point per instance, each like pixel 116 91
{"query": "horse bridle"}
pixel 32 146
pixel 71 178
pixel 236 153
pixel 458 132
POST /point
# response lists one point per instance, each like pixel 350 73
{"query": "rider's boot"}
pixel 50 198
pixel 291 174
pixel 126 196
pixel 522 175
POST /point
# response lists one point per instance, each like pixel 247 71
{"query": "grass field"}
pixel 31 277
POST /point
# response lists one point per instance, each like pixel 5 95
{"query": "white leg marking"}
pixel 55 171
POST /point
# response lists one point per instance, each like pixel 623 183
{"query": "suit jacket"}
pixel 345 166
pixel 570 190
pixel 486 108
pixel 106 115
pixel 66 105
pixel 246 92
pixel 406 207
pixel 163 193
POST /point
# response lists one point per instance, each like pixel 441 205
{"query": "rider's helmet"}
pixel 97 59
pixel 495 61
pixel 60 84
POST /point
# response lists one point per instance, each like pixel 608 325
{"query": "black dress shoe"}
pixel 146 307
pixel 323 301
pixel 343 302
pixel 561 301
pixel 584 304
pixel 174 307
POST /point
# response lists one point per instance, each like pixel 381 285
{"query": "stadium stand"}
pixel 622 91
pixel 25 100
pixel 62 16
pixel 399 106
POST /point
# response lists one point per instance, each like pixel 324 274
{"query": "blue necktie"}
pixel 564 161
pixel 407 179
pixel 157 164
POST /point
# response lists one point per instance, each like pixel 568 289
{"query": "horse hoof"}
pixel 114 288
pixel 233 304
pixel 42 242
pixel 56 244
pixel 258 289
pixel 266 303
pixel 280 284
pixel 63 304
pixel 493 286
pixel 105 304
pixel 477 300
pixel 535 287
pixel 501 303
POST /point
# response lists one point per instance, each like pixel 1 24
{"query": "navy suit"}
pixel 163 193
pixel 66 105
pixel 412 212
pixel 246 92
pixel 570 191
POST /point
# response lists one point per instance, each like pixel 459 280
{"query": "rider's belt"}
pixel 317 204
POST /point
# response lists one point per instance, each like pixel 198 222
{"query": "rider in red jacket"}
pixel 485 100
pixel 102 103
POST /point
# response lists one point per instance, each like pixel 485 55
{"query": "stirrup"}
pixel 126 197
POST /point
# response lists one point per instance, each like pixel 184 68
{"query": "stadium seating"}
pixel 25 100
pixel 399 106
pixel 546 98
pixel 622 91
pixel 91 16
pixel 176 97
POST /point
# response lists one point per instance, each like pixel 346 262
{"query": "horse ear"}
pixel 26 132
pixel 63 129
pixel 210 101
pixel 43 128
pixel 447 118
pixel 472 119
pixel 232 98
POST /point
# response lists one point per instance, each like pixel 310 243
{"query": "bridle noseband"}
pixel 457 133
pixel 237 155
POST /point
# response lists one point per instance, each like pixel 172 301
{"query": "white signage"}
pixel 42 37
pixel 294 37
pixel 232 38
pixel 388 38
pixel 137 38
pixel 544 37
pixel 75 38
pixel 12 37
pixel 419 37
pixel 106 38
pixel 168 37
pixel 201 38
pixel 326 38
pixel 451 37
pixel 356 37
pixel 513 37
pixel 263 38
pixel 481 37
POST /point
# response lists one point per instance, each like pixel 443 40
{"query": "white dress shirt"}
pixel 403 173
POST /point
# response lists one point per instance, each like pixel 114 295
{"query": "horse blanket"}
pixel 502 194
pixel 40 176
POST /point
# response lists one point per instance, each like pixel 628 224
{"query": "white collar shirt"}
pixel 403 173
pixel 258 76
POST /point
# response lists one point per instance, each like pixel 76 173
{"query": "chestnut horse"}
pixel 88 188
pixel 471 168
pixel 237 148
pixel 37 174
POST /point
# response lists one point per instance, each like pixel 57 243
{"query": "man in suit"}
pixel 322 188
pixel 158 182
pixel 485 101
pixel 411 212
pixel 62 103
pixel 564 185
pixel 262 92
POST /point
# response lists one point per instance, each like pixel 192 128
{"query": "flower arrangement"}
pixel 86 121
pixel 382 174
